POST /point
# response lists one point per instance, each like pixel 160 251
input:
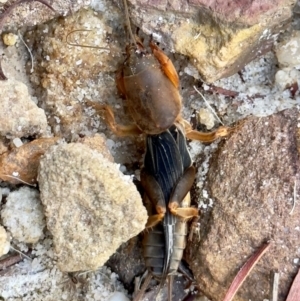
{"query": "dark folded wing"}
pixel 163 161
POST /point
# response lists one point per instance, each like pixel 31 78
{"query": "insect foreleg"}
pixel 183 186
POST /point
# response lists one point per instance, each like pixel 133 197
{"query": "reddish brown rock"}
pixel 247 12
pixel 219 37
pixel 254 181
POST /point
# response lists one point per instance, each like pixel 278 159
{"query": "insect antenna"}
pixel 129 25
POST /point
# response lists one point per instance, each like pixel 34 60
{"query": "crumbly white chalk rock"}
pixel 4 241
pixel 286 77
pixel 23 215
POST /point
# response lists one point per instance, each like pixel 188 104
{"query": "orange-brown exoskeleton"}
pixel 149 82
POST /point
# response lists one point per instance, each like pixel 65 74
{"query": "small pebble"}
pixel 9 39
pixel 296 260
pixel 17 142
pixel 207 118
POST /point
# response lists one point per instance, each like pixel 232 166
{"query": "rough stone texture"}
pixel 252 181
pixel 4 241
pixel 28 14
pixel 10 39
pixel 286 78
pixel 218 37
pixel 91 207
pixel 288 55
pixel 207 118
pixel 288 50
pixel 97 143
pixel 66 76
pixel 23 215
pixel 248 12
pixel 19 115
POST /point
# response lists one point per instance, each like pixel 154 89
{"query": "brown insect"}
pixel 149 82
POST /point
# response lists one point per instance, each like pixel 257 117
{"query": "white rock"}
pixel 286 77
pixel 288 51
pixel 17 142
pixel 23 215
pixel 4 241
pixel 207 118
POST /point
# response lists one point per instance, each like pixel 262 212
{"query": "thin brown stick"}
pixel 244 272
pixel 11 260
pixel 222 91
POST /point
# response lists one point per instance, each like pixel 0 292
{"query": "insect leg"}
pixel 166 64
pixel 155 195
pixel 180 191
pixel 107 113
pixel 222 131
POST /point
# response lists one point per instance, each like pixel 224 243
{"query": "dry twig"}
pixel 244 272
